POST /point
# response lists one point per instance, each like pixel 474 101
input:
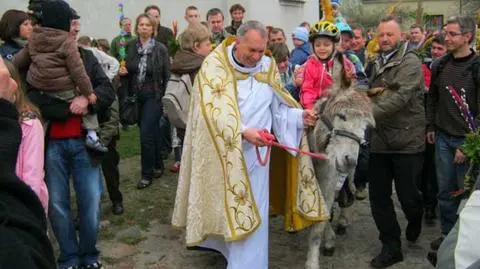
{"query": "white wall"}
pixel 100 17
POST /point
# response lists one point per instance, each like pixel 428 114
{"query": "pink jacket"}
pixel 30 159
pixel 317 80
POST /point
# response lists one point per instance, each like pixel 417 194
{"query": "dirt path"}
pixel 147 241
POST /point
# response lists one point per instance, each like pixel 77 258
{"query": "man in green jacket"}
pixel 122 92
pixel 115 46
pixel 109 134
pixel 397 142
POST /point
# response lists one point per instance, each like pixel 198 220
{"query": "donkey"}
pixel 344 117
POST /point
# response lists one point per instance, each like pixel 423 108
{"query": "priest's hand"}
pixel 253 136
pixel 310 117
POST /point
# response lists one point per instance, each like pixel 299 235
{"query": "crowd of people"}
pixel 64 98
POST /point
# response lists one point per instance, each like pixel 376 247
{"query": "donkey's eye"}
pixel 341 116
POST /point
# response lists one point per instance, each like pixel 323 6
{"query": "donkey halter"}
pixel 339 132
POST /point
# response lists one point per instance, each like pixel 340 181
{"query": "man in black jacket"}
pixel 23 226
pixel 67 158
pixel 164 36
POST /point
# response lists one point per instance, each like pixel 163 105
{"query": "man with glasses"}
pixel 458 72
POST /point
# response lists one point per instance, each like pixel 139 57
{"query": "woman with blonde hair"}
pixel 147 71
pixel 30 158
pixel 195 45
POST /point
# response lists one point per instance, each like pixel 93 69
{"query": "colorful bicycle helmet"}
pixel 345 28
pixel 324 28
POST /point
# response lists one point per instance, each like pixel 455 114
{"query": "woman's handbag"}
pixel 129 111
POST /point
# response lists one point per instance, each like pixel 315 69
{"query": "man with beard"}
pixel 397 142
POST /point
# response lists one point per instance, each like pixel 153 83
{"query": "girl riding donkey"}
pixel 326 68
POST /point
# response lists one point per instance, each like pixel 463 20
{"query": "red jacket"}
pixel 427 74
pixel 317 80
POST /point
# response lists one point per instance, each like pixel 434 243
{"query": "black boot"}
pixel 414 228
pixel 432 257
pixel 389 256
pixel 117 208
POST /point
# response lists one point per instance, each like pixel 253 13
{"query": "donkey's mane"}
pixel 349 100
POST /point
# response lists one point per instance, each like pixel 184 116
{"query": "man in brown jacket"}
pixel 397 142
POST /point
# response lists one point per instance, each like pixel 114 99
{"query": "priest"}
pixel 223 190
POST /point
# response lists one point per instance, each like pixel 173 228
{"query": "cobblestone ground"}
pixel 161 247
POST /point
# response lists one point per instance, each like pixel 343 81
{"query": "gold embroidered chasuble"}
pixel 214 195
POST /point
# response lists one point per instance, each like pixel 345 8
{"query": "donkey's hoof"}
pixel 328 252
pixel 341 230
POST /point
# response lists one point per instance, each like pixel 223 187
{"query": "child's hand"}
pixel 298 76
pixel 92 99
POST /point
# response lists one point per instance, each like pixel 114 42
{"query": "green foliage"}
pixel 471 149
pixel 369 17
pixel 173 47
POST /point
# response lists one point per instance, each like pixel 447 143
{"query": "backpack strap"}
pixel 182 80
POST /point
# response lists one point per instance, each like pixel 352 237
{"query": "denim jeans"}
pixel 69 158
pixel 150 112
pixel 166 140
pixel 450 178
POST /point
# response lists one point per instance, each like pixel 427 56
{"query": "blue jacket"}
pixel 9 49
pixel 287 81
pixel 300 55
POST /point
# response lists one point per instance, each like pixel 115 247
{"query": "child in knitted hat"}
pixel 56 66
pixel 302 48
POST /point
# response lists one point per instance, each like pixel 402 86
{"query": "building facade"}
pixel 437 11
pixel 100 17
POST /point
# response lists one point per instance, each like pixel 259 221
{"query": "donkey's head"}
pixel 340 131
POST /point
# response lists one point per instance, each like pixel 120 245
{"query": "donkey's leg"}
pixel 330 236
pixel 346 211
pixel 344 220
pixel 315 240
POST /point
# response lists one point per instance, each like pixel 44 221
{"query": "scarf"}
pixel 186 62
pixel 143 51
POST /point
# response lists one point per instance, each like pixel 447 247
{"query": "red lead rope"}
pixel 270 141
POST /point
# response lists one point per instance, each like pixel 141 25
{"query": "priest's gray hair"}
pixel 252 25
